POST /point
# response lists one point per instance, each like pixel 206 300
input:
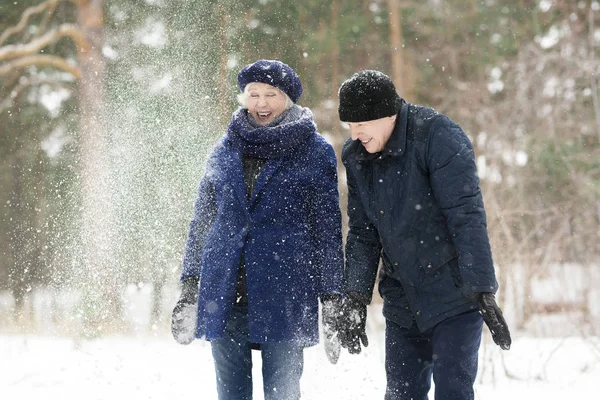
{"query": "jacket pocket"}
pixel 438 273
pixel 437 256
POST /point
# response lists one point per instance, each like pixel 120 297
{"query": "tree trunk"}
pixel 593 81
pixel 335 72
pixel 223 75
pixel 336 133
pixel 99 278
pixel 396 45
pixel 19 276
pixel 158 285
pixel 362 55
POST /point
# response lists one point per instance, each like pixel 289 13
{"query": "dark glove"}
pixel 352 322
pixel 330 313
pixel 185 313
pixel 492 315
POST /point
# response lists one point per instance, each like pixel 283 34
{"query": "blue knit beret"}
pixel 274 73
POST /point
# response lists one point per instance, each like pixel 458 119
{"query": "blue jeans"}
pixel 282 363
pixel 448 352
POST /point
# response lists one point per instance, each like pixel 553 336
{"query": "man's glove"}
pixel 185 313
pixel 492 315
pixel 352 322
pixel 330 313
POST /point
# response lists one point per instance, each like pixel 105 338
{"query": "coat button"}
pixel 406 307
pixel 381 212
pixel 418 313
pixel 429 266
pixel 396 263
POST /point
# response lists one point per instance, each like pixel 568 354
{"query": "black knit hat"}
pixel 368 95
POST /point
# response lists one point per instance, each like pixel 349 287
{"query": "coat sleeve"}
pixel 363 248
pixel 455 185
pixel 326 221
pixel 205 210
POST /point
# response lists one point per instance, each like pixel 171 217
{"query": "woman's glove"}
pixel 330 313
pixel 185 313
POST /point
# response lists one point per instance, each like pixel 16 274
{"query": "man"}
pixel 414 202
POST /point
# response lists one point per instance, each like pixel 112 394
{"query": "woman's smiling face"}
pixel 265 102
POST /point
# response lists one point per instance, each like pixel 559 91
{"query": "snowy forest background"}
pixel 108 109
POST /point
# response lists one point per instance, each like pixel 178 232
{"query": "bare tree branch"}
pixel 46 20
pixel 20 50
pixel 41 60
pixel 48 4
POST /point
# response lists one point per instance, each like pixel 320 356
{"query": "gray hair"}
pixel 243 96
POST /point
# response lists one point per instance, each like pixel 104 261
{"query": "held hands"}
pixel 352 322
pixel 185 313
pixel 492 315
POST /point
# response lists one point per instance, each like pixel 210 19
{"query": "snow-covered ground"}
pixel 553 357
pixel 155 367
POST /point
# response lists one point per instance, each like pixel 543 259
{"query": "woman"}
pixel 265 240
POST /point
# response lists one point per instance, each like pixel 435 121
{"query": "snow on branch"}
pixel 40 60
pixel 47 5
pixel 52 36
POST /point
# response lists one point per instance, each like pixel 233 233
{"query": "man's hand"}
pixel 492 315
pixel 330 313
pixel 352 322
pixel 185 313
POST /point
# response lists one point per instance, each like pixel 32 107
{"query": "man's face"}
pixel 373 134
pixel 265 102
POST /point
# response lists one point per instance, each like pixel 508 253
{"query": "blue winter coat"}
pixel 417 206
pixel 289 232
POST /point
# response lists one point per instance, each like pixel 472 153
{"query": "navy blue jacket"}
pixel 417 206
pixel 289 232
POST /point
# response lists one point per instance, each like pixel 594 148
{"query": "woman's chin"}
pixel 264 121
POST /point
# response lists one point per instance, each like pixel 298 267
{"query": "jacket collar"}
pixel 396 144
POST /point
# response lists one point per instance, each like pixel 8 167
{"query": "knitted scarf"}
pixel 278 139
